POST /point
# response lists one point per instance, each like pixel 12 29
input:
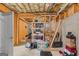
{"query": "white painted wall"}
pixel 71 24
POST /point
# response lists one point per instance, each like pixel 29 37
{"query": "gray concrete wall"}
pixel 71 24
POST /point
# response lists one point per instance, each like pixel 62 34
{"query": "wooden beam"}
pixel 36 7
pixel 35 14
pixel 53 7
pixel 16 7
pixel 62 8
pixel 50 7
pixel 76 7
pixel 4 8
pixel 46 14
pixel 10 8
pixel 22 19
pixel 44 7
pixel 15 29
pixel 30 7
pixel 41 7
pixel 20 5
pixel 68 6
pixel 27 7
pixel 64 13
pixel 24 7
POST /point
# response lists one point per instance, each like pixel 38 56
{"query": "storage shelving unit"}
pixel 38 32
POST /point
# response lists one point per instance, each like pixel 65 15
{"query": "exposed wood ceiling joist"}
pixel 46 6
pixel 11 7
pixel 29 7
pixel 69 5
pixel 36 7
pixel 32 7
pixel 41 7
pixel 50 7
pixel 37 14
pixel 26 7
pixel 16 7
pixel 62 8
pixel 56 8
pixel 21 6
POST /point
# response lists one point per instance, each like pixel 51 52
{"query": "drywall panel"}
pixel 71 24
pixel 78 33
pixel 1 45
pixel 6 32
pixel 0 34
pixel 9 28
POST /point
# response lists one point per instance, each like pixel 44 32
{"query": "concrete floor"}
pixel 3 54
pixel 22 51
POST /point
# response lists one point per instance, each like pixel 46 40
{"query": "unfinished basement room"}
pixel 39 29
